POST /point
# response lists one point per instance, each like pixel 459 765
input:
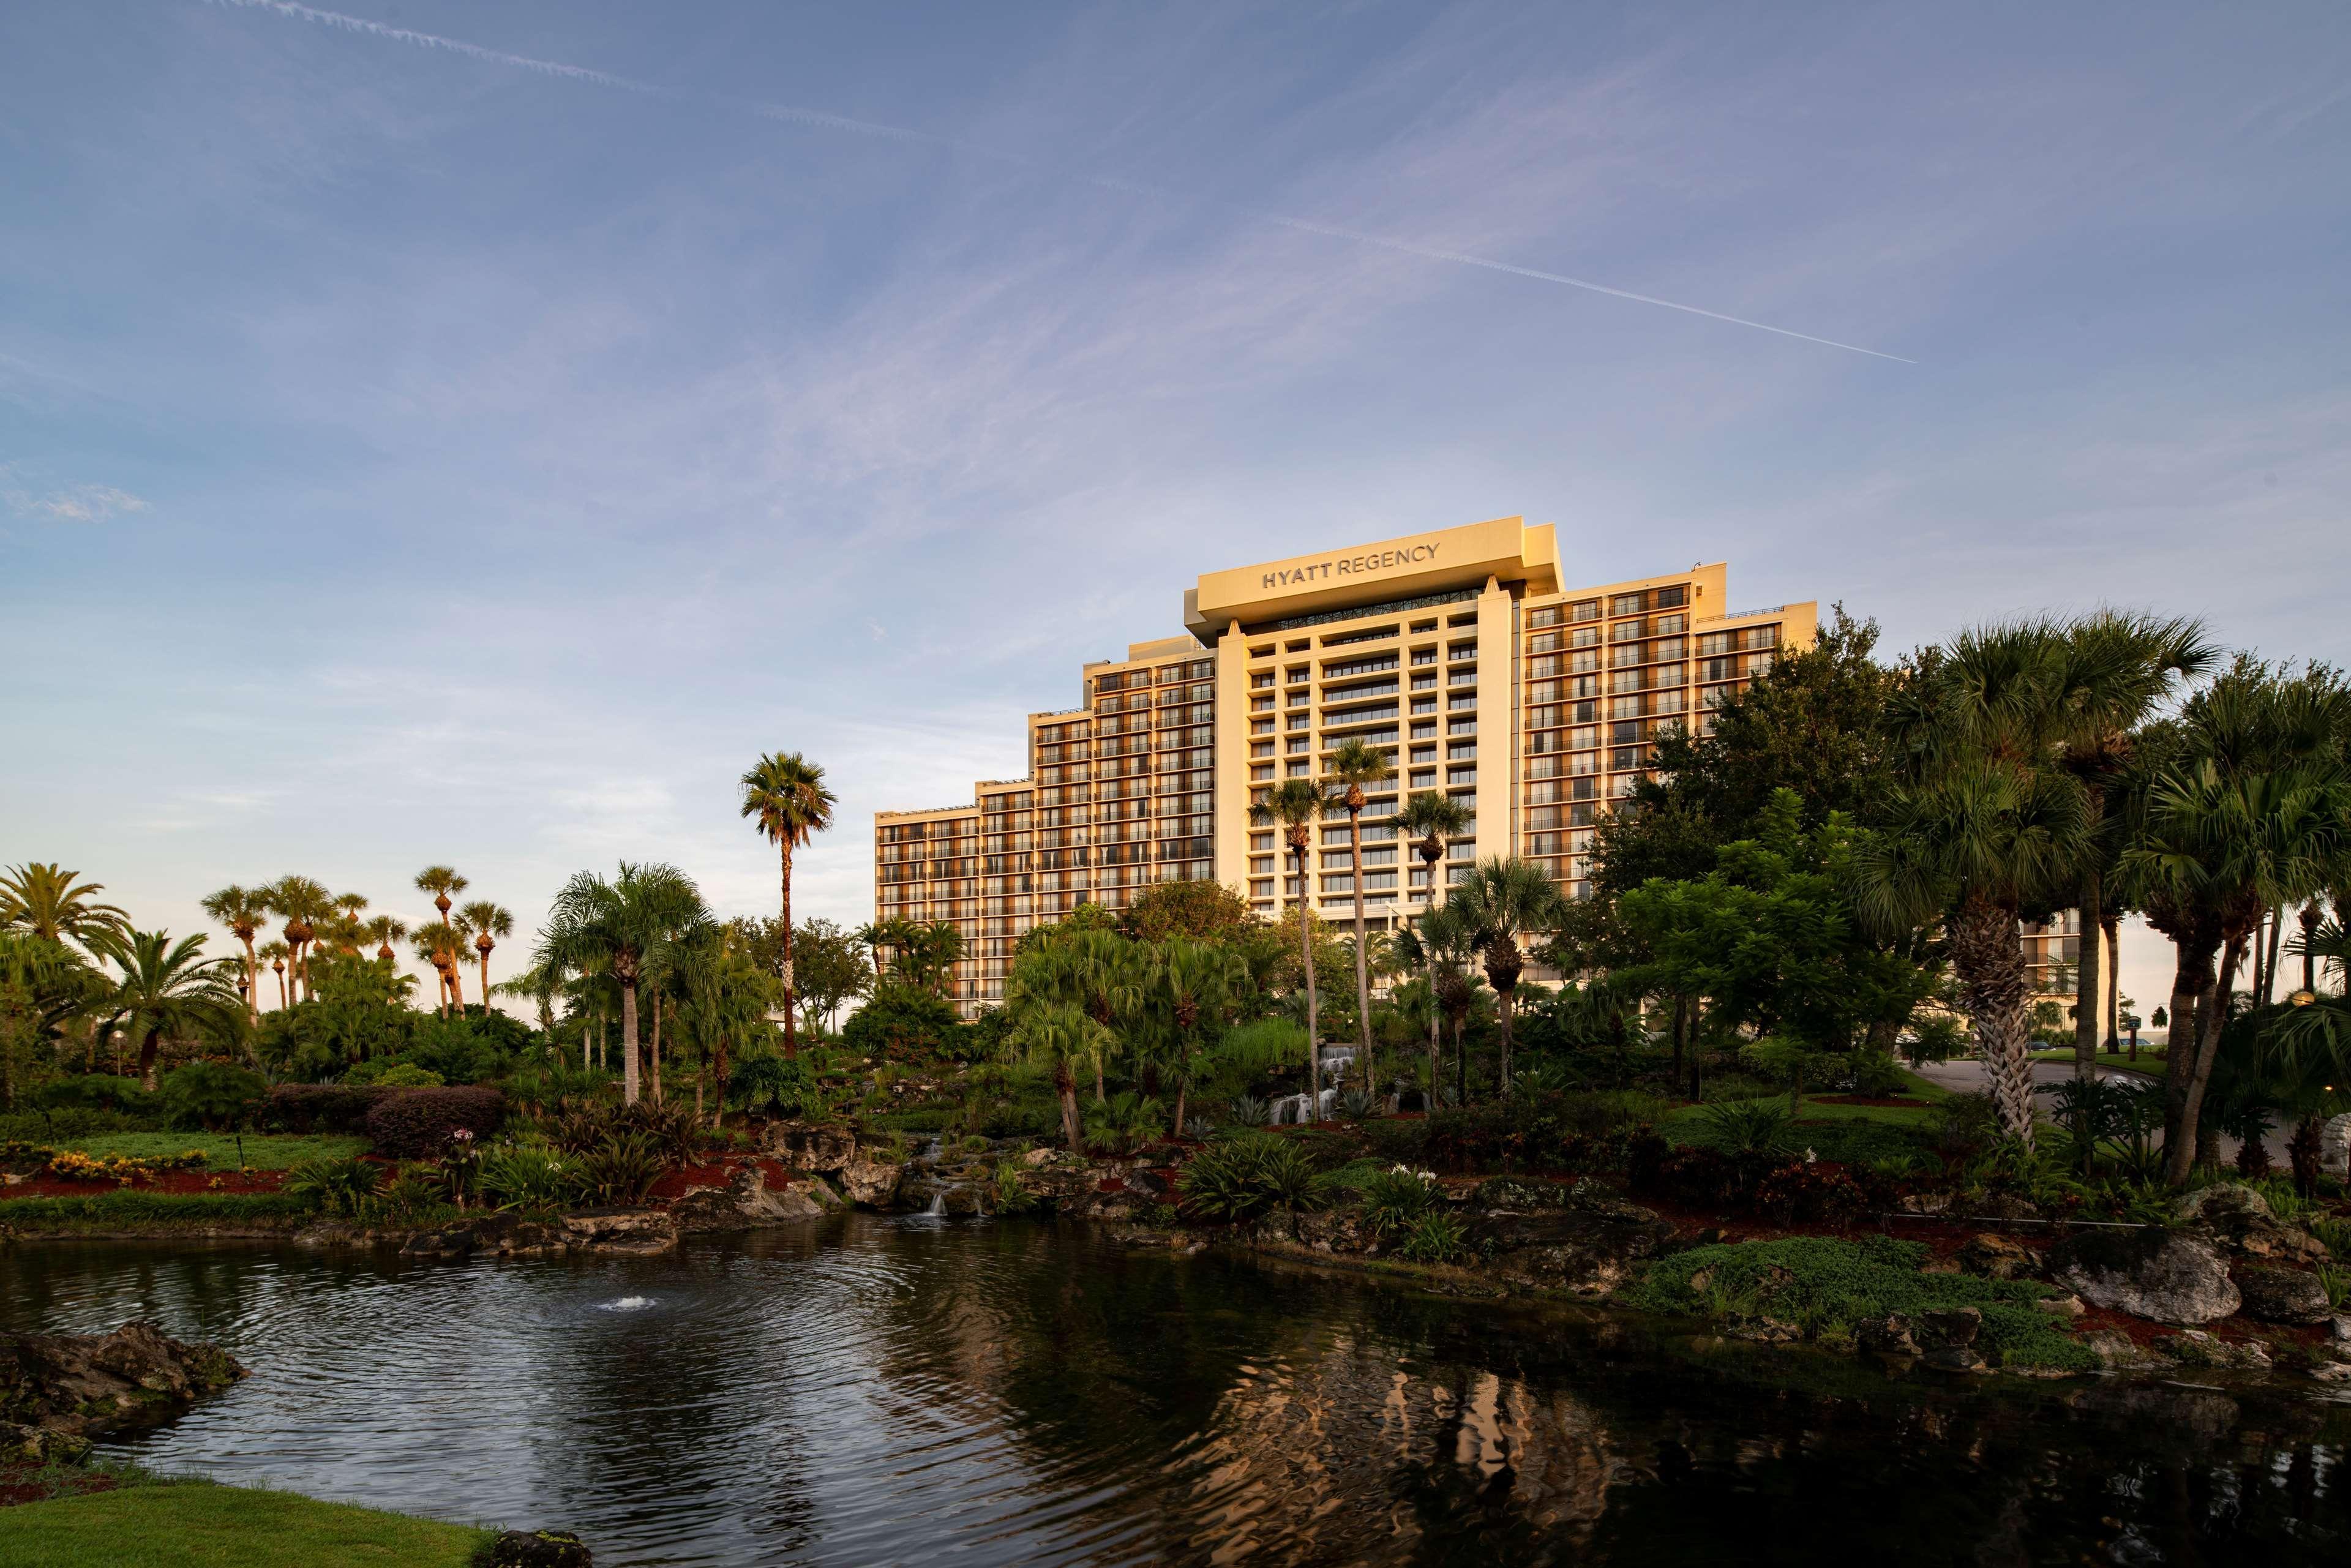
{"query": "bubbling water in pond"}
pixel 878 1391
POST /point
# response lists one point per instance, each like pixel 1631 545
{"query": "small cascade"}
pixel 938 1205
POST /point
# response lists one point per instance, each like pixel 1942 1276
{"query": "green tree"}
pixel 245 911
pixel 57 905
pixel 830 968
pixel 784 794
pixel 620 927
pixel 1059 1036
pixel 1508 899
pixel 1295 805
pixel 168 990
pixel 1204 910
pixel 1194 987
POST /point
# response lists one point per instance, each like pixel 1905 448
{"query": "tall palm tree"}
pixel 443 946
pixel 1429 819
pixel 2256 813
pixel 1447 938
pixel 1506 898
pixel 347 927
pixel 168 989
pixel 1984 825
pixel 57 905
pixel 1344 775
pixel 276 953
pixel 1295 805
pixel 625 925
pixel 2108 673
pixel 784 793
pixel 383 931
pixel 488 922
pixel 875 935
pixel 304 905
pixel 444 884
pixel 244 911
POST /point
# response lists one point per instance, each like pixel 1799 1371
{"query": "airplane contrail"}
pixel 824 120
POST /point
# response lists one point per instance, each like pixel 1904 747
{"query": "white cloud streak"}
pixel 823 119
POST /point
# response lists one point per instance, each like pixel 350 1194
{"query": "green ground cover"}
pixel 262 1151
pixel 2152 1066
pixel 196 1525
pixel 127 1207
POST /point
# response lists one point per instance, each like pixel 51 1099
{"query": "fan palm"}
pixel 275 953
pixel 303 903
pixel 2109 673
pixel 383 931
pixel 168 990
pixel 1060 1035
pixel 1349 767
pixel 1193 986
pixel 57 906
pixel 443 946
pixel 623 925
pixel 1295 805
pixel 488 922
pixel 1444 943
pixel 244 911
pixel 785 794
pixel 346 926
pixel 1504 899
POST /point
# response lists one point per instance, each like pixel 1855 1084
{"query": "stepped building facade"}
pixel 1461 652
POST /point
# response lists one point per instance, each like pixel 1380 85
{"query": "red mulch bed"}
pixel 709 1172
pixel 164 1181
pixel 16 1484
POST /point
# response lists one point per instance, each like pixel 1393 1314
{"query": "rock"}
pixel 2008 1206
pixel 822 1150
pixel 1954 1358
pixel 871 1182
pixel 2335 1145
pixel 2283 1296
pixel 747 1200
pixel 2330 1372
pixel 625 1230
pixel 1891 1336
pixel 2115 1348
pixel 536 1549
pixel 1765 1330
pixel 1926 1203
pixel 2241 1219
pixel 1338 1230
pixel 2194 1347
pixel 1952 1327
pixel 1511 1193
pixel 1583 1252
pixel 2165 1276
pixel 1036 1157
pixel 456 1241
pixel 1997 1257
pixel 1149 1186
pixel 2069 1306
pixel 2338 1327
pixel 41 1445
pixel 79 1385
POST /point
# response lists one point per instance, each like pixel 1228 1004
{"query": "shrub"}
pixel 672 1128
pixel 1537 1131
pixel 408 1075
pixel 409 1194
pixel 212 1095
pixel 1802 1193
pixel 530 1174
pixel 99 1091
pixel 1243 1177
pixel 1394 1201
pixel 111 1210
pixel 1249 1111
pixel 1964 1125
pixel 2336 1234
pixel 1012 1195
pixel 778 1083
pixel 1876 1075
pixel 1747 1126
pixel 411 1123
pixel 1434 1238
pixel 1396 1142
pixel 1357 1105
pixel 901 1020
pixel 337 1186
pixel 321 1107
pixel 1820 1284
pixel 621 1170
pixel 1124 1123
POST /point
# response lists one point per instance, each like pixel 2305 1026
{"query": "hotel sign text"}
pixel 1349 566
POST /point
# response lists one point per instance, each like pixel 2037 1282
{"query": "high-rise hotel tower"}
pixel 1456 652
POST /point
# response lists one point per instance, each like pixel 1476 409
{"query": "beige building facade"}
pixel 1462 652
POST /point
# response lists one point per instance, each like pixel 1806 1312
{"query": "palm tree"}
pixel 1449 938
pixel 1984 825
pixel 1295 805
pixel 1061 1035
pixel 488 922
pixel 784 792
pixel 383 931
pixel 276 953
pixel 2255 814
pixel 443 946
pixel 625 925
pixel 57 905
pixel 1349 769
pixel 1193 985
pixel 2109 673
pixel 875 935
pixel 444 884
pixel 1505 898
pixel 303 903
pixel 244 911
pixel 1430 818
pixel 167 989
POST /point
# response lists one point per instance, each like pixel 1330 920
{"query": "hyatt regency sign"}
pixel 1348 566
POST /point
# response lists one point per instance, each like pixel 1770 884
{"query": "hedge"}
pixel 322 1107
pixel 412 1123
pixel 127 1206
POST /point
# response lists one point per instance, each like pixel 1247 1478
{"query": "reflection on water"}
pixel 912 1390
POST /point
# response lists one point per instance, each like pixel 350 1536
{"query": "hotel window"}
pixel 1423 683
pixel 1461 727
pixel 1585 610
pixel 1666 648
pixel 1464 752
pixel 1261 726
pixel 1424 705
pixel 1261 749
pixel 1627 604
pixel 1256 773
pixel 1300 743
pixel 1423 780
pixel 1299 720
pixel 1301 697
pixel 1547 616
pixel 1299 673
pixel 1669 625
pixel 1624 632
pixel 1460 776
pixel 1424 655
pixel 1671 598
pixel 1300 771
pixel 1423 731
pixel 1424 754
pixel 1757 665
pixel 1467 700
pixel 1461 650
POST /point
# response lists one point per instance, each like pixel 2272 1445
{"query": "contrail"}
pixel 823 119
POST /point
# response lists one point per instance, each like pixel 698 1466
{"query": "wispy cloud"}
pixel 72 504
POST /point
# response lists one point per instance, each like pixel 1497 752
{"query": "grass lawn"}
pixel 195 1525
pixel 263 1150
pixel 2152 1066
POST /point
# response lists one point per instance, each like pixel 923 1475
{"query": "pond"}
pixel 911 1390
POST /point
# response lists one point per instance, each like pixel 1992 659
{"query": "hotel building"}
pixel 1461 652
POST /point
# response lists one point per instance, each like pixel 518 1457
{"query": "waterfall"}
pixel 938 1204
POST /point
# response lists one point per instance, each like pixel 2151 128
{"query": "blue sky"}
pixel 409 454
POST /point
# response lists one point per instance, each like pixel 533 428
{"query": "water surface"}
pixel 908 1390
